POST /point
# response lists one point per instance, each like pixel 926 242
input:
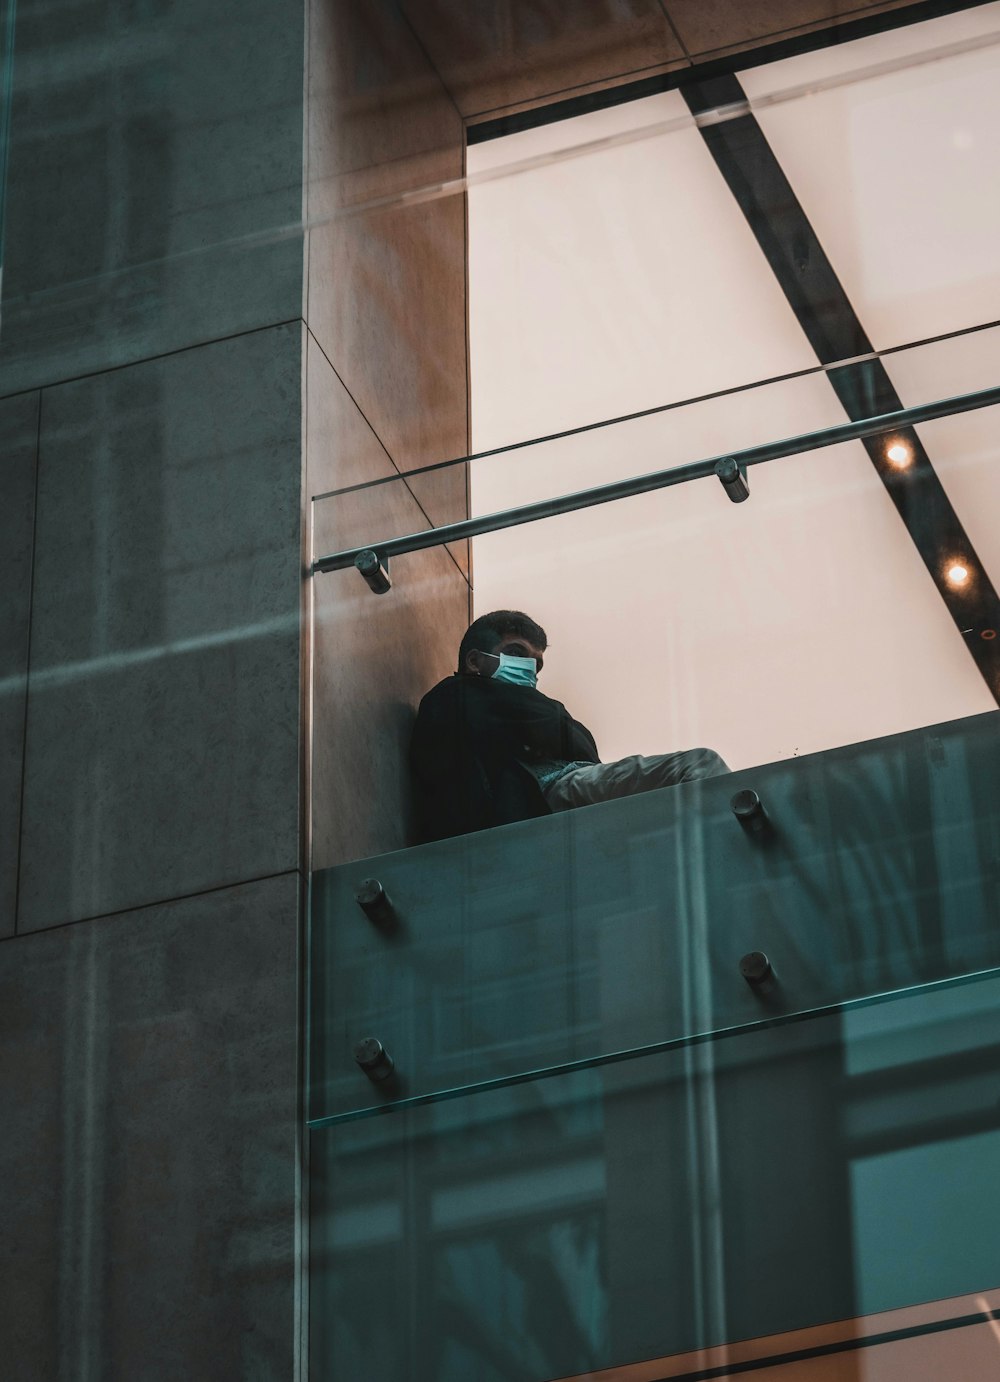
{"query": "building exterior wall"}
pixel 150 400
pixel 179 362
pixel 213 310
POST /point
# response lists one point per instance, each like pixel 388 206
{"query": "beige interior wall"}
pixel 611 277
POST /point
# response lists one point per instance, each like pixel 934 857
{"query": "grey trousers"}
pixel 587 783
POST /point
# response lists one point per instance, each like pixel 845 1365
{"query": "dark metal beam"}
pixel 825 313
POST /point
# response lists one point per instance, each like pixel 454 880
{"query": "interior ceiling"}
pixel 497 55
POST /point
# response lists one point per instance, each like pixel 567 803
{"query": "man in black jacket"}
pixel 488 748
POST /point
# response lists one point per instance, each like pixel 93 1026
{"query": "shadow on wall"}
pixel 386 391
pixel 375 657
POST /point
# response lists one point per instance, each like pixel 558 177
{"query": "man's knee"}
pixel 705 763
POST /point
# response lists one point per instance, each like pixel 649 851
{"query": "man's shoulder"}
pixel 444 690
pixel 448 698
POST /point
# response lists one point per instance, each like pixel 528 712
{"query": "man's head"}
pixel 504 631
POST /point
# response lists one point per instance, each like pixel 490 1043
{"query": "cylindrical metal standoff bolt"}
pixel 734 481
pixel 749 810
pixel 756 969
pixel 374 901
pixel 374 570
pixel 374 1059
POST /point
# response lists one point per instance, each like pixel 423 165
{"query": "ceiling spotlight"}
pixel 899 454
pixel 958 574
pixel 734 479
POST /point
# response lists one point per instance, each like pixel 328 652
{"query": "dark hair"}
pixel 486 632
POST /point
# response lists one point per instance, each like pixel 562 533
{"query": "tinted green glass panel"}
pixel 614 927
pixel 788 1177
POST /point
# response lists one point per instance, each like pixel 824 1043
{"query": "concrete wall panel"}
pixel 162 753
pixel 155 183
pixel 147 1170
pixel 18 447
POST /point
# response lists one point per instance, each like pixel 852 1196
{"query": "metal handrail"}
pixel 659 479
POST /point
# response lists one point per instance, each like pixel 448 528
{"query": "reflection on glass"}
pixel 594 936
pixel 604 1145
pixel 798 1177
pixel 666 436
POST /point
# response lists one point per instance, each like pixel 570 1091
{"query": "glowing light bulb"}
pixel 958 574
pixel 900 454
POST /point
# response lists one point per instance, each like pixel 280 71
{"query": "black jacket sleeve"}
pixel 470 743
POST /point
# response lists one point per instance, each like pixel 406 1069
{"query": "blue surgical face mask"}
pixel 519 671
